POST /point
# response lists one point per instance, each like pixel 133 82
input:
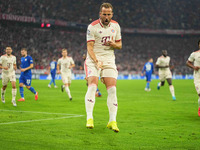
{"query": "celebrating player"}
pixel 164 72
pixel 66 63
pixel 103 36
pixel 52 69
pixel 8 66
pixel 26 75
pixel 148 69
pixel 194 63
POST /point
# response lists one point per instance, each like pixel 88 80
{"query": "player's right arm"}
pixel 144 69
pixel 90 46
pixel 58 66
pixel 190 61
pixel 1 67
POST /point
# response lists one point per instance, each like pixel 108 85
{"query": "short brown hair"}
pixel 64 49
pixel 106 5
pixel 23 49
pixel 9 47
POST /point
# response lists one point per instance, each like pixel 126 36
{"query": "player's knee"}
pixel 4 87
pixel 28 87
pixel 21 85
pixel 112 91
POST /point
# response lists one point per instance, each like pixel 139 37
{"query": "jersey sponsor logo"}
pixel 113 31
pixel 105 39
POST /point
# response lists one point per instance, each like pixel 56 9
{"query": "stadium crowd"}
pixel 44 44
pixel 154 14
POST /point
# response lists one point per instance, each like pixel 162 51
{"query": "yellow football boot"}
pixel 113 125
pixel 90 123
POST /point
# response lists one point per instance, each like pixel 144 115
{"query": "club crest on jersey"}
pixel 25 59
pixel 100 32
pixel 89 72
pixel 113 31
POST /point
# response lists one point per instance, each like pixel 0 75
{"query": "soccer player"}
pixel 66 63
pixel 98 93
pixel 8 66
pixel 194 63
pixel 52 69
pixel 103 36
pixel 148 69
pixel 26 75
pixel 164 72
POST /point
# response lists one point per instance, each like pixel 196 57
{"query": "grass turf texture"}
pixel 147 120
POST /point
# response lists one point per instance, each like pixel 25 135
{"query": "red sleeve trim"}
pixel 113 21
pixel 118 40
pixel 91 40
pixel 95 22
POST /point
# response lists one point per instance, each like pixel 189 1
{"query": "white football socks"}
pixel 112 103
pixel 3 93
pixel 14 93
pixel 171 88
pixel 199 101
pixel 90 100
pixel 68 91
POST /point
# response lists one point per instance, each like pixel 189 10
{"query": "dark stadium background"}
pixel 45 27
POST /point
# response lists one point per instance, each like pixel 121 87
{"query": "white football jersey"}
pixel 163 61
pixel 101 34
pixel 8 61
pixel 195 58
pixel 65 63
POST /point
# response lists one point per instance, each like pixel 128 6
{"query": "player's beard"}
pixel 106 22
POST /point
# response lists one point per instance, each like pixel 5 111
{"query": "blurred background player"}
pixel 8 66
pixel 148 69
pixel 98 93
pixel 164 72
pixel 66 63
pixel 52 68
pixel 103 36
pixel 26 75
pixel 194 63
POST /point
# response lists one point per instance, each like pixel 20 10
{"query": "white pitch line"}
pixel 39 112
pixel 40 120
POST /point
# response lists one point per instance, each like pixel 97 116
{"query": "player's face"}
pixel 23 53
pixel 8 50
pixel 106 15
pixel 64 53
pixel 164 52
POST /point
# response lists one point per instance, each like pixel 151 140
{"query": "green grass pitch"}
pixel 147 120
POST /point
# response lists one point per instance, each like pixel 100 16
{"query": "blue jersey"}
pixel 148 68
pixel 53 65
pixel 26 62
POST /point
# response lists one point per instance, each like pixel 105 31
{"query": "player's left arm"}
pixel 72 64
pixel 115 44
pixel 15 64
pixel 152 68
pixel 25 69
